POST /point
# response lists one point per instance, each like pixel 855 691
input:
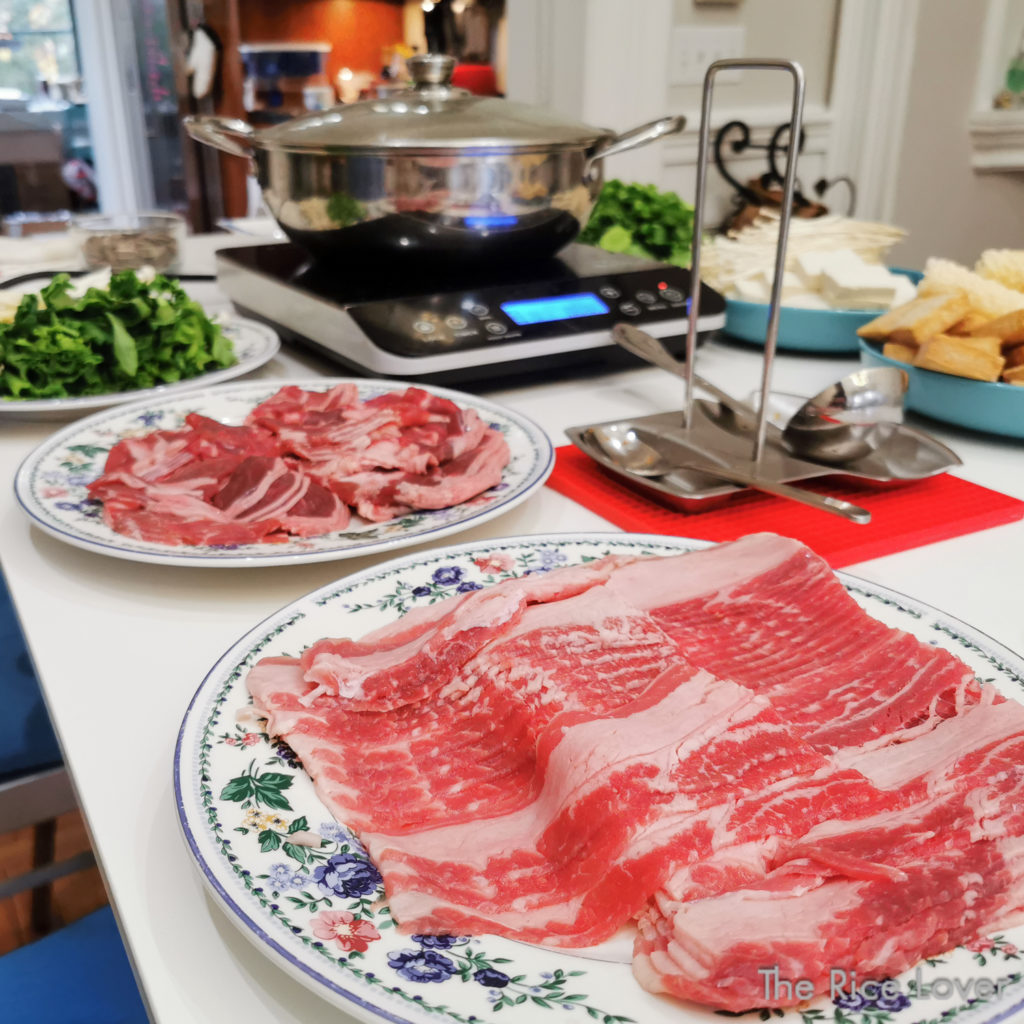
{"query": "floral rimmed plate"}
pixel 51 482
pixel 317 911
pixel 255 345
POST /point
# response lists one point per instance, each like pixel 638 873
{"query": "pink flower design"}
pixel 980 945
pixel 251 739
pixel 231 741
pixel 54 492
pixel 494 563
pixel 1008 949
pixel 349 931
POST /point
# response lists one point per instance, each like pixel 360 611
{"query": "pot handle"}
pixel 229 134
pixel 638 137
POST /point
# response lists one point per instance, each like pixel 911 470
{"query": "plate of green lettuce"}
pixel 67 349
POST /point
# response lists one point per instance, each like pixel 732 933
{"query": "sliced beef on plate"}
pixel 227 501
pixel 413 431
pixel 291 405
pixel 262 488
pixel 296 464
pixel 378 496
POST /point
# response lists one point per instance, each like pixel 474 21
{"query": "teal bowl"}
pixel 995 408
pixel 803 330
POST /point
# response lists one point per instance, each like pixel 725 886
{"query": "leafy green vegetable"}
pixel 641 221
pixel 345 209
pixel 132 334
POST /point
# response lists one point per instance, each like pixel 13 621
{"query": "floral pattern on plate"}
pixel 304 887
pixel 51 483
pixel 255 345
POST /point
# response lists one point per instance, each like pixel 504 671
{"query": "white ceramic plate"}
pixel 255 344
pixel 51 482
pixel 240 796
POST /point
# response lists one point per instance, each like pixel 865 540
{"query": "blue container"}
pixel 995 408
pixel 803 330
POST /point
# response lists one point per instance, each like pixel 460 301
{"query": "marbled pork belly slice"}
pixel 873 894
pixel 412 657
pixel 536 588
pixel 693 769
pixel 468 748
pixel 793 633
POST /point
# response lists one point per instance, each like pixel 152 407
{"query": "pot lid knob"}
pixel 428 69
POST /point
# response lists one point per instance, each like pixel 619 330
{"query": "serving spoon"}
pixel 629 450
pixel 845 421
pixel 851 418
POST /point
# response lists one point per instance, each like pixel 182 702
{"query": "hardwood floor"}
pixel 73 896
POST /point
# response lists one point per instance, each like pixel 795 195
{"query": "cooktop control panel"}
pixel 479 316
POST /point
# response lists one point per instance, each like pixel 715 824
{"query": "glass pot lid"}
pixel 432 114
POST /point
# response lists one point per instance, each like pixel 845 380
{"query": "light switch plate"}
pixel 695 47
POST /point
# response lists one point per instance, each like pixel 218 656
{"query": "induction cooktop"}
pixel 435 322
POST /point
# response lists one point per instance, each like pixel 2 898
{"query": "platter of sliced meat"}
pixel 622 777
pixel 271 473
pixel 254 343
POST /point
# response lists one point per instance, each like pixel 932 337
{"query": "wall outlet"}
pixel 695 47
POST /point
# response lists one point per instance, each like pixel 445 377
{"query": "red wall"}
pixel 357 30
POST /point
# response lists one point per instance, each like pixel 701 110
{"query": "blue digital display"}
pixel 496 221
pixel 559 307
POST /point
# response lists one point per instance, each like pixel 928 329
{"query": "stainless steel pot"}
pixel 428 172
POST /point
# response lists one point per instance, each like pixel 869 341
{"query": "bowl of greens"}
pixel 72 346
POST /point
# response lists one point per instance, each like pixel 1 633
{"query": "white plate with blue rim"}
pixel 51 485
pixel 318 911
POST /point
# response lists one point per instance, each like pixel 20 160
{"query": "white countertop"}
pixel 120 647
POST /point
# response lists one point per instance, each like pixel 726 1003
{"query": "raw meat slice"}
pixel 254 499
pixel 471 747
pixel 295 465
pixel 378 496
pixel 413 431
pixel 955 871
pixel 794 634
pixel 291 405
pixel 477 745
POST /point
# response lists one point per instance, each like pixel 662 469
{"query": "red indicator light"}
pixel 662 285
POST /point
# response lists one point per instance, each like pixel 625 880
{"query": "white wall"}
pixel 948 208
pixel 605 62
pixel 891 89
pixel 800 30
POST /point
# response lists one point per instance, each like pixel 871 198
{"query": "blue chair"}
pixel 79 974
pixel 34 787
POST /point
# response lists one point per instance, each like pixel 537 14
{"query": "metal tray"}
pixel 907 456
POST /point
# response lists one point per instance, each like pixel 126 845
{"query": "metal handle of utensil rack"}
pixel 789 187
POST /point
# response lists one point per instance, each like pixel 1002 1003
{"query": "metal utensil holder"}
pixel 789 187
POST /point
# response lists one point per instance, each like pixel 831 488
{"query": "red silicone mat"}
pixel 902 517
